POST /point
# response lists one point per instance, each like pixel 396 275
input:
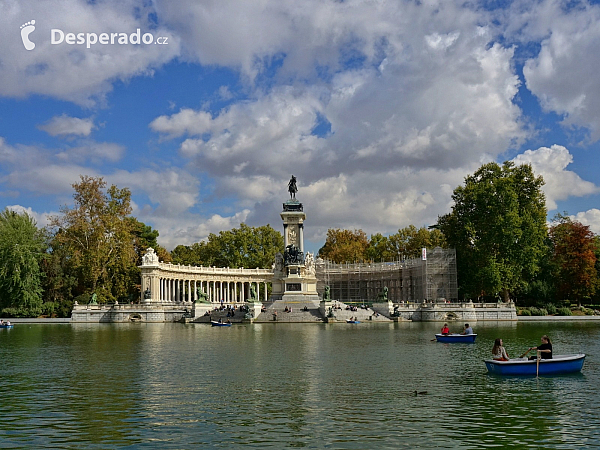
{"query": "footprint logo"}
pixel 26 30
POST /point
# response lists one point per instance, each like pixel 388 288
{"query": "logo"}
pixel 26 29
pixel 58 36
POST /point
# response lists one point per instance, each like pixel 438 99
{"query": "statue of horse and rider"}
pixel 292 187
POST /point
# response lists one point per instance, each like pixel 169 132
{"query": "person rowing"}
pixel 545 349
pixel 445 329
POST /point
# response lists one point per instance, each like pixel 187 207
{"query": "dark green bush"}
pixel 538 311
pixel 524 312
pixel 564 311
pixel 551 308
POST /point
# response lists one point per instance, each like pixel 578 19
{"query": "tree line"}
pixel 505 247
pixel 96 246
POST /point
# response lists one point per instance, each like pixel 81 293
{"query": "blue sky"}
pixel 379 108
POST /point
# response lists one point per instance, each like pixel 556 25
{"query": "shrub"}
pixel 524 312
pixel 564 311
pixel 551 308
pixel 538 311
pixel 588 311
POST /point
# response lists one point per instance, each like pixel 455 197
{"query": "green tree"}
pixel 143 237
pixel 342 246
pixel 95 237
pixel 498 227
pixel 574 255
pixel 379 248
pixel 22 248
pixel 409 241
pixel 193 255
pixel 249 247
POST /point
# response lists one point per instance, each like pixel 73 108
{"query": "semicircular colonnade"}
pixel 175 283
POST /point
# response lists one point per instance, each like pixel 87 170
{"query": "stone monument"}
pixel 294 271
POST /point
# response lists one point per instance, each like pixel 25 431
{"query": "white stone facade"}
pixel 165 283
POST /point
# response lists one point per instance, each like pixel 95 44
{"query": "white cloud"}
pixel 41 219
pixel 590 217
pixel 561 184
pixel 95 152
pixel 564 75
pixel 73 72
pixel 68 126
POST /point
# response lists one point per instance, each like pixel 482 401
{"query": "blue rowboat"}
pixel 219 324
pixel 456 338
pixel 352 321
pixel 6 326
pixel 558 365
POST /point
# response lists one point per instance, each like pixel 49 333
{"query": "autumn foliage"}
pixel 574 258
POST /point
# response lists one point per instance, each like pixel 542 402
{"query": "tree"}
pixel 143 237
pixel 95 237
pixel 409 241
pixel 379 248
pixel 249 247
pixel 498 227
pixel 343 246
pixel 574 247
pixel 22 249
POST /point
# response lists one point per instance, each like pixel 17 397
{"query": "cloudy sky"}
pixel 379 108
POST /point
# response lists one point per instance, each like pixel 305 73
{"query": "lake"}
pixel 334 386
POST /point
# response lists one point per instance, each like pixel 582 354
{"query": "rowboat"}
pixel 6 326
pixel 456 338
pixel 558 365
pixel 219 324
pixel 352 321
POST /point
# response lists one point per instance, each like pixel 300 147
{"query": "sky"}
pixel 205 108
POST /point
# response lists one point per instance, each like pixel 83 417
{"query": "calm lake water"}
pixel 335 386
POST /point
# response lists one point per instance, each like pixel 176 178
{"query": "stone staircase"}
pixel 298 314
pixel 362 315
pixel 313 314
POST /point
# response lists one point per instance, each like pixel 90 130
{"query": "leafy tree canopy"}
pixel 249 247
pixel 574 247
pixel 343 246
pixel 95 237
pixel 22 248
pixel 498 227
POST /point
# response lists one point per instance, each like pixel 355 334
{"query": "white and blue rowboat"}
pixel 456 338
pixel 6 326
pixel 558 365
pixel 220 324
pixel 352 321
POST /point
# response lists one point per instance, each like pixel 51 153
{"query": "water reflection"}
pixel 288 385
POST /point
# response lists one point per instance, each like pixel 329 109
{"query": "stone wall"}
pixel 464 312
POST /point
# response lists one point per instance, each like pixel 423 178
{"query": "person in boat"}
pixel 445 329
pixel 499 352
pixel 467 330
pixel 545 349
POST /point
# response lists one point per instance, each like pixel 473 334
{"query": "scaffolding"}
pixel 429 278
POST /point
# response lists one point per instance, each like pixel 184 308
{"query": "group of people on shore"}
pixel 499 352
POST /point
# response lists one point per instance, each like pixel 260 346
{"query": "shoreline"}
pixel 67 320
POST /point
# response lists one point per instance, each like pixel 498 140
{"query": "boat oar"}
pixel 525 353
pixel 537 363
